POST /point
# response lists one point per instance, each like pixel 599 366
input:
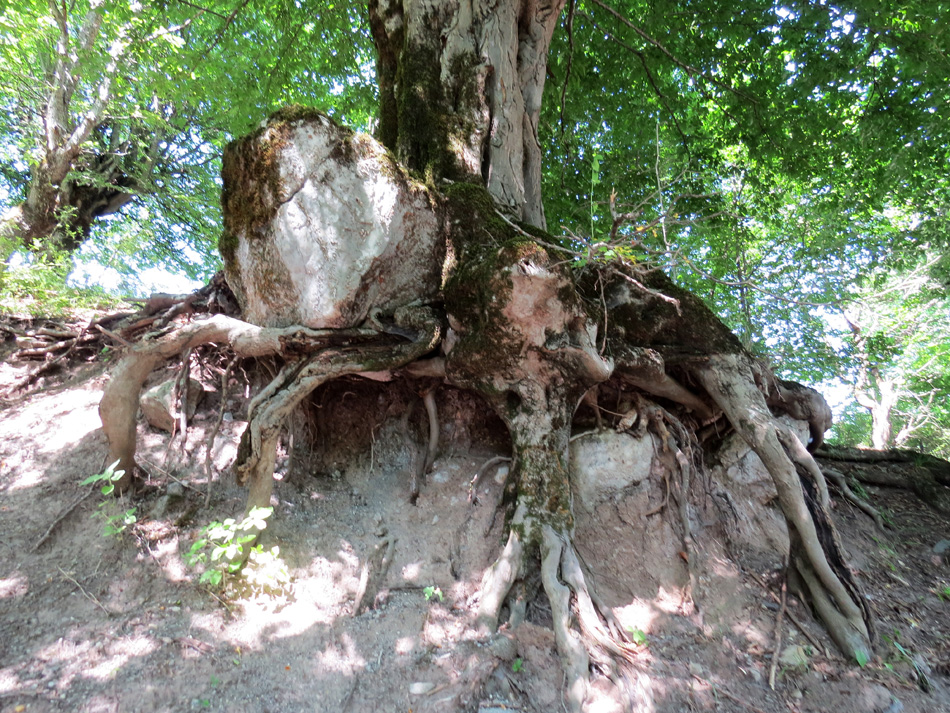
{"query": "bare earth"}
pixel 94 623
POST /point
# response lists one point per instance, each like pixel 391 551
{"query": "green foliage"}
pixel 517 666
pixel 771 156
pixel 432 592
pixel 220 550
pixel 114 520
pixel 638 636
pixel 166 86
pixel 895 349
pixel 41 288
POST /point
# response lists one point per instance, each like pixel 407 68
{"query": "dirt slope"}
pixel 95 623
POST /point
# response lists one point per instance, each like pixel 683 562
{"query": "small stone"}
pixel 420 688
pixel 159 508
pixel 695 669
pixel 157 407
pixel 895 707
pixel 794 656
pixel 503 647
pixel 175 490
pixel 942 547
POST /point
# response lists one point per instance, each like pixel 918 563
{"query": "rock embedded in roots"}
pixel 322 225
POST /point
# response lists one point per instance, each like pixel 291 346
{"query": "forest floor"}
pixel 97 623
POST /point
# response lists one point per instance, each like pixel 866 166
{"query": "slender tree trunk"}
pixel 460 90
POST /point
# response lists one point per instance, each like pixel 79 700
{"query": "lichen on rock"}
pixel 322 225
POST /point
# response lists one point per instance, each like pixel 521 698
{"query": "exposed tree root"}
pixel 929 480
pixel 803 498
pixel 373 575
pixel 314 356
pixel 841 482
pixel 432 413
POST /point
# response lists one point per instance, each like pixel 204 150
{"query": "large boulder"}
pixel 322 225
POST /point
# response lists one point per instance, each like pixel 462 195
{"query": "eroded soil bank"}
pixel 95 623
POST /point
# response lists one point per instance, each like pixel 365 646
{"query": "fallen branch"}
pixel 777 649
pixel 86 594
pixel 62 516
pixel 791 617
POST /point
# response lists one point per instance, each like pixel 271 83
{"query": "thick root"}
pixel 729 380
pixel 574 656
pixel 258 451
pixel 120 397
pixel 500 577
pixel 586 633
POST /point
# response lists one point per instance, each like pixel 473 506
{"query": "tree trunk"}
pixel 460 91
pixel 62 206
pixel 460 85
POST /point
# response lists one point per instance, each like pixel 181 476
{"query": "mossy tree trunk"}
pixel 460 85
pixel 460 91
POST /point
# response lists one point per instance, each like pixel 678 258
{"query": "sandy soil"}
pixel 96 623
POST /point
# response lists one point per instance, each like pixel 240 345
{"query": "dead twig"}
pixel 473 484
pixel 217 426
pixel 112 335
pixel 791 617
pixel 86 594
pixel 62 516
pixel 169 475
pixel 778 639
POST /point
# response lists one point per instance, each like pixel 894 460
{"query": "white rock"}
pixel 348 229
pixel 604 463
pixel 157 407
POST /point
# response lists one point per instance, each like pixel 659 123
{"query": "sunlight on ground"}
pixel 16 585
pixel 638 615
pixel 120 652
pixel 319 597
pixel 342 658
pixel 63 419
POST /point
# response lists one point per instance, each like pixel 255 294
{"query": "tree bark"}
pixel 460 91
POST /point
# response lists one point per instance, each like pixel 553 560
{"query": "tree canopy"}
pixel 785 161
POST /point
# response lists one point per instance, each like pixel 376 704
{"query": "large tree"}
pixel 430 259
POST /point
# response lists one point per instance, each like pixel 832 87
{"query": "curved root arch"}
pixel 314 357
pixel 803 496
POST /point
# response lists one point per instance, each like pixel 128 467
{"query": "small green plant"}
pixel 638 636
pixel 862 658
pixel 220 546
pixel 114 520
pixel 39 285
pixel 943 593
pixel 517 665
pixel 433 593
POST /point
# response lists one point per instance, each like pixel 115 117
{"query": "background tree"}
pixel 117 113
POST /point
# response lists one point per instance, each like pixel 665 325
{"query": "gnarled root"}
pixel 596 639
pixel 803 496
pixel 296 381
pixel 336 352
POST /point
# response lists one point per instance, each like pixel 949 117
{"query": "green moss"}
pixel 679 327
pixel 227 246
pixel 294 113
pixel 251 171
